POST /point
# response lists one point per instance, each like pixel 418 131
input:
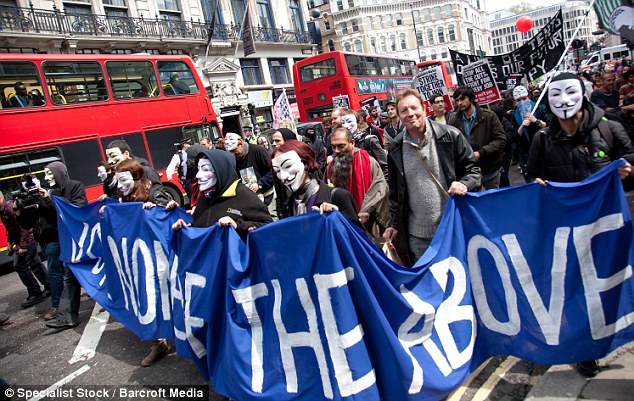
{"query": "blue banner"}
pixel 311 309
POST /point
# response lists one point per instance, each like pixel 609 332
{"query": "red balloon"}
pixel 524 24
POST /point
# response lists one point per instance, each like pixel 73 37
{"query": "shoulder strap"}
pixel 606 133
pixel 542 150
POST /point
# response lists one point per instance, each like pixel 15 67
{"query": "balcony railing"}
pixel 25 20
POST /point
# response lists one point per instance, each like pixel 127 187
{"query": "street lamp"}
pixel 411 6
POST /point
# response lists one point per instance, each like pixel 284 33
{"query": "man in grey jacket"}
pixel 427 162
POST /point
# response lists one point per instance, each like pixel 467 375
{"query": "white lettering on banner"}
pixel 129 277
pixel 512 327
pixel 191 280
pixel 246 298
pixel 78 249
pixel 420 310
pixel 310 339
pixel 340 342
pixel 549 320
pixel 450 310
pixel 162 272
pixel 595 285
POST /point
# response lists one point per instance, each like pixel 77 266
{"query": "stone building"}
pixel 417 29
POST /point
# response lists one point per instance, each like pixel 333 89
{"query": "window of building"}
pixel 238 8
pixel 350 3
pixel 168 5
pixel 426 15
pixel 419 38
pixel 393 43
pixel 416 16
pixel 441 35
pixel 279 71
pixel 297 19
pixel 251 72
pixel 388 20
pixel 433 54
pixel 339 5
pixel 358 46
pixel 115 8
pixel 355 27
pixel 436 11
pixel 264 14
pixel 383 45
pixel 423 56
pixel 77 9
pixel 331 45
pixel 430 36
pixel 373 45
pixel 344 28
pixel 447 8
pixel 444 53
pixel 326 24
pixel 403 42
pixel 377 22
pixel 347 47
pixel 399 19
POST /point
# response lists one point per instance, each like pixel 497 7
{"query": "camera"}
pixel 26 197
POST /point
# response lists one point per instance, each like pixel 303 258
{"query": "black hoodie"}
pixel 230 197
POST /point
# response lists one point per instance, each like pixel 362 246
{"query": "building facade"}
pixel 507 38
pixel 176 27
pixel 417 29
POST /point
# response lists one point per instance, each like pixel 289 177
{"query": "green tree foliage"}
pixel 521 8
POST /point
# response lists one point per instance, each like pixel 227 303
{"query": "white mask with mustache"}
pixel 565 98
pixel 289 169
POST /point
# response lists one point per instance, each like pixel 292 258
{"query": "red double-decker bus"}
pixel 69 107
pixel 340 77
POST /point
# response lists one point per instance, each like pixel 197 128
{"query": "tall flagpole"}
pixel 211 31
pixel 561 59
pixel 244 18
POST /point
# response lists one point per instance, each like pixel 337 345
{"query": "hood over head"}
pixel 224 164
pixel 60 172
pixel 194 150
pixel 287 134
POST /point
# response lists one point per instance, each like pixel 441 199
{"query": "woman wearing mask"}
pixel 106 176
pixel 133 187
pixel 223 198
pixel 364 139
pixel 293 163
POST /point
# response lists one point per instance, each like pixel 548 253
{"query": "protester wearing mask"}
pixel 578 143
pixel 106 176
pixel 293 164
pixel 223 198
pixel 252 160
pixel 363 139
pixel 527 123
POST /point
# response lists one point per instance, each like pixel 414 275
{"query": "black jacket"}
pixel 487 137
pixel 337 196
pixel 257 157
pixel 458 164
pixel 371 144
pixel 150 173
pixel 229 198
pixel 44 218
pixel 557 157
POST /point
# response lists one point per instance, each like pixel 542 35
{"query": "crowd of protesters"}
pixel 389 170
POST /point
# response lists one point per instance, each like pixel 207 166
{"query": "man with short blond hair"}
pixel 427 162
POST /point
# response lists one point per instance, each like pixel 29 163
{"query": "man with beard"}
pixel 355 171
pixel 483 131
pixel 578 143
pixel 253 164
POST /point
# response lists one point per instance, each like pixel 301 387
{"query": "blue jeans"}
pixel 55 272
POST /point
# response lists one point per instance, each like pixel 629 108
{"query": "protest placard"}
pixel 341 101
pixel 478 76
pixel 430 81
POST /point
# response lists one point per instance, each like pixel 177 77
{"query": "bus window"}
pixel 354 64
pixel 384 67
pixel 13 166
pixel 20 85
pixel 135 142
pixel 176 78
pixel 197 132
pixel 71 82
pixel 132 79
pixel 161 143
pixel 81 160
pixel 321 69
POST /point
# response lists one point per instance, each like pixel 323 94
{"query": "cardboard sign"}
pixel 478 76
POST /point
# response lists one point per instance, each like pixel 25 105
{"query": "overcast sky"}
pixel 495 5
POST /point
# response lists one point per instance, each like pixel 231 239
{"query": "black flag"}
pixel 247 34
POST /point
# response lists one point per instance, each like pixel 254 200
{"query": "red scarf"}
pixel 360 176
